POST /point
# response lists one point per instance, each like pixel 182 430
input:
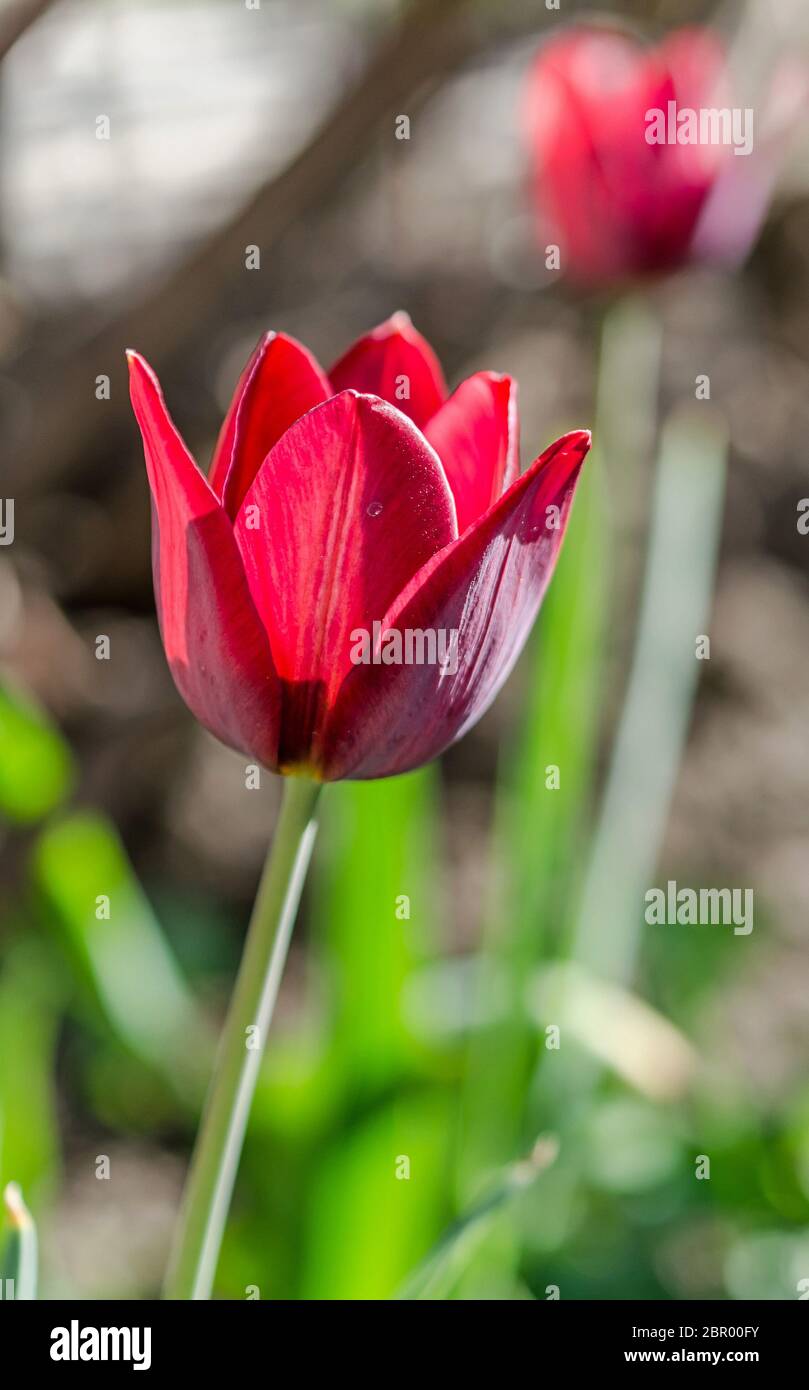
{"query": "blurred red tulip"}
pixel 618 199
pixel 329 513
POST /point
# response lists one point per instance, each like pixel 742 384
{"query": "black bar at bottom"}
pixel 59 1339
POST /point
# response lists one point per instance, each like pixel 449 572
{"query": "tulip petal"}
pixel 280 383
pixel 350 503
pixel 215 645
pixel 488 587
pixel 394 361
pixel 476 436
pixel 619 202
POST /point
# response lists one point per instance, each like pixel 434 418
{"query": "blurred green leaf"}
pixel 542 827
pixel 764 1265
pixel 368 1223
pixel 117 948
pixel 20 1262
pixel 438 1274
pixel 376 911
pixel 31 1001
pixel 546 787
pixel 36 768
pixel 539 831
pixel 686 523
pixel 377 915
pixel 649 743
pixel 295 1093
pixel 631 1146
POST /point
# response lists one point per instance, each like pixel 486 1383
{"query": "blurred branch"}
pixel 16 17
pixel 64 416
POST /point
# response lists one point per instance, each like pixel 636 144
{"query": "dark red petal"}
pixel 280 383
pixel 394 361
pixel 351 502
pixel 488 586
pixel 215 645
pixel 476 436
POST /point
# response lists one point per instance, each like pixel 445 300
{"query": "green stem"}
pixel 219 1143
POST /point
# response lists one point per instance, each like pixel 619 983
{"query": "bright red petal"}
pixel 394 361
pixel 351 502
pixel 215 645
pixel 488 586
pixel 280 383
pixel 476 436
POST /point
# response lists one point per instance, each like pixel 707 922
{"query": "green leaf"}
pixel 377 1200
pixel 649 743
pixel 20 1263
pixel 438 1274
pixel 31 1001
pixel 541 825
pixel 652 730
pixel 375 907
pixel 539 832
pixel 36 768
pixel 378 917
pixel 117 948
pixel 545 791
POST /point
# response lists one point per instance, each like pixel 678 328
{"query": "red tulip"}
pixel 618 202
pixel 325 514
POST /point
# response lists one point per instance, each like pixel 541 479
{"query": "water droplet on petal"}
pixel 374 508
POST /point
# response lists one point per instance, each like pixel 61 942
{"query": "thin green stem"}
pixel 219 1143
